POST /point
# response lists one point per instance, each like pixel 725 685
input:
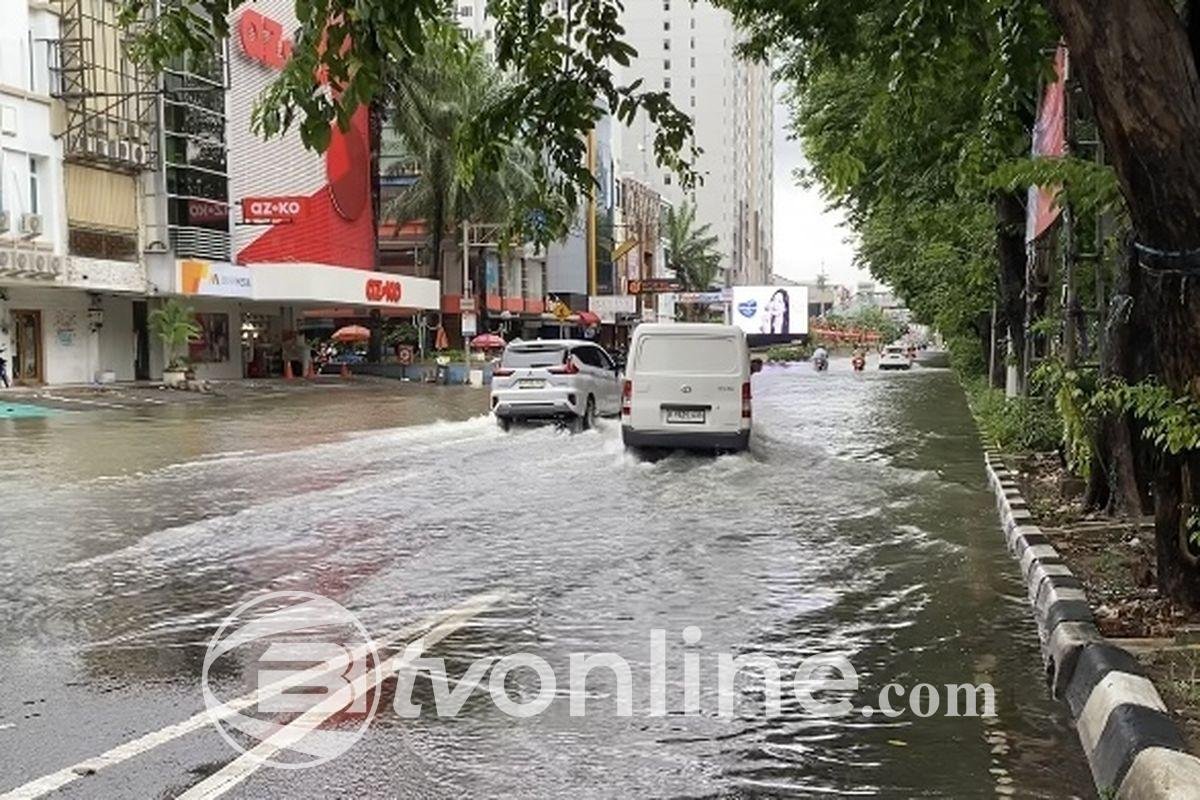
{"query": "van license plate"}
pixel 530 383
pixel 686 416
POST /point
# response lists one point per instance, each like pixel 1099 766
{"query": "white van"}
pixel 687 386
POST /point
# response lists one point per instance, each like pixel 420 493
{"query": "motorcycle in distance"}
pixel 859 362
pixel 820 359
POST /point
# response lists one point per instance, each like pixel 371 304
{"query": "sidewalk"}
pixel 1139 745
pixel 148 394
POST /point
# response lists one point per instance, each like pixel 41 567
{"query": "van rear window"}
pixel 694 355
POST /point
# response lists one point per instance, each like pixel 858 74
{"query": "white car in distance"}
pixel 555 380
pixel 894 357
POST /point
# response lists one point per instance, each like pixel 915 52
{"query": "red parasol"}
pixel 352 333
pixel 488 341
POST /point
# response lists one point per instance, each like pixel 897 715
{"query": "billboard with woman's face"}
pixel 771 310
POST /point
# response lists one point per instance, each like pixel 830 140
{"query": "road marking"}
pixel 40 787
pixel 251 761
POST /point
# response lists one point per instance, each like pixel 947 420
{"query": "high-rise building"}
pixel 688 49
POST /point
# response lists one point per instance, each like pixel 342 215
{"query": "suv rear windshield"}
pixel 693 355
pixel 532 357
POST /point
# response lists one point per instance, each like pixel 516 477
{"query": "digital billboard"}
pixel 775 311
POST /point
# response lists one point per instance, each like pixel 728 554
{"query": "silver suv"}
pixel 566 380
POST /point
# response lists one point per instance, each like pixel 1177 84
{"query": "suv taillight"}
pixel 500 372
pixel 746 400
pixel 626 398
pixel 569 368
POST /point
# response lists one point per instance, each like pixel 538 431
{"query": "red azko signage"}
pixel 381 291
pixel 273 209
pixel 262 39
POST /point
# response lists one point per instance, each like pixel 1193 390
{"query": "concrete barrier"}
pixel 1132 745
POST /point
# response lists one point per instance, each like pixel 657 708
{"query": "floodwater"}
pixel 859 524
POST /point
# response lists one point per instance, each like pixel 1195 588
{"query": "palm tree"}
pixel 432 101
pixel 692 253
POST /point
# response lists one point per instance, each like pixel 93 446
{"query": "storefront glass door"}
pixel 27 347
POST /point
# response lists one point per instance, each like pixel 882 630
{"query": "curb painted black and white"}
pixel 1132 745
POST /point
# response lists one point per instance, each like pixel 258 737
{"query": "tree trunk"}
pixel 1114 485
pixel 1010 245
pixel 1136 60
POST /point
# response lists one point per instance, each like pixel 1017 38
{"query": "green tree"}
pixel 1139 62
pixel 691 254
pixel 433 103
pixel 175 325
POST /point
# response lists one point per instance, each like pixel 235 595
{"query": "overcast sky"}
pixel 807 236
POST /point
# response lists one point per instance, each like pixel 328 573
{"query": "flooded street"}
pixel 859 523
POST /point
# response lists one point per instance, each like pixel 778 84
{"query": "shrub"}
pixel 789 352
pixel 1017 424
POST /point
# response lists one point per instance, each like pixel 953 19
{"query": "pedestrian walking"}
pixel 4 372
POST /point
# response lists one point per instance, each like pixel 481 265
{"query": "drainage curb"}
pixel 1132 745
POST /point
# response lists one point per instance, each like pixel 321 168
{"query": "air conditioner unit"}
pixel 24 262
pixel 106 148
pixel 5 221
pixel 54 265
pixel 98 125
pixel 31 225
pixel 124 151
pixel 139 154
pixel 41 264
pixel 8 260
pixel 132 130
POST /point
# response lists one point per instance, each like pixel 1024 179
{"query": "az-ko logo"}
pixel 383 291
pixel 262 39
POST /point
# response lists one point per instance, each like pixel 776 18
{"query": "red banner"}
pixel 1049 141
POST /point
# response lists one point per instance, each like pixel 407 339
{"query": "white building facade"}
pixel 688 49
pixel 65 316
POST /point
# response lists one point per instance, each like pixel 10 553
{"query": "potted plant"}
pixel 174 324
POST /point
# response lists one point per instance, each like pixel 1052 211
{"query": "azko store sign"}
pixel 262 40
pixel 381 291
pixel 272 209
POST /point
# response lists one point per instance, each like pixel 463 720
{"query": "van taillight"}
pixel 746 400
pixel 626 398
pixel 569 368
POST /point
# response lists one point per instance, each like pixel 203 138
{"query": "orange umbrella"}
pixel 352 333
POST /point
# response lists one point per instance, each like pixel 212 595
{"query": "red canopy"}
pixel 589 319
pixel 488 341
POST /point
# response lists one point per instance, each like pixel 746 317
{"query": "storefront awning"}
pixel 326 285
pixel 313 285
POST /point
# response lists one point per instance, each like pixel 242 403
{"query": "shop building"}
pixel 74 135
pixel 271 244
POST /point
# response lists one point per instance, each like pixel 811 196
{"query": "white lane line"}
pixel 251 761
pixel 40 787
